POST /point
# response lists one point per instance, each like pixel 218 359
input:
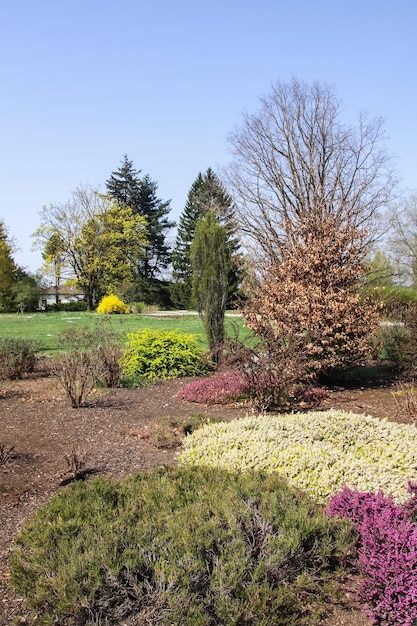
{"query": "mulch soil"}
pixel 111 434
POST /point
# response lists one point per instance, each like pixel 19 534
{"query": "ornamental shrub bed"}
pixel 157 354
pixel 183 546
pixel 319 452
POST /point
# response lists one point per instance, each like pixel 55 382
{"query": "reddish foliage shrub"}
pixel 216 389
pixel 311 396
pixel 310 298
pixel 272 369
pixel 387 554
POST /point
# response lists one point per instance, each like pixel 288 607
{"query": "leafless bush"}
pixel 271 368
pixel 405 396
pixel 88 357
pixel 5 453
pixel 78 373
pixel 17 357
pixel 76 462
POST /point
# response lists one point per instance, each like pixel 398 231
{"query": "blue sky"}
pixel 84 82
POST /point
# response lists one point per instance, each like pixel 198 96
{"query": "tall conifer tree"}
pixel 207 193
pixel 210 262
pixel 129 188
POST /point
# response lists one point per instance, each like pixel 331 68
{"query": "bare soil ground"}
pixel 36 418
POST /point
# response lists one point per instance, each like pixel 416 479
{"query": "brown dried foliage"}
pixel 313 297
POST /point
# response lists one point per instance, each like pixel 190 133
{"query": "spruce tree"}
pixel 210 262
pixel 207 193
pixel 129 188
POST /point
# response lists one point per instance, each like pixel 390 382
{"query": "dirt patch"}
pixel 110 435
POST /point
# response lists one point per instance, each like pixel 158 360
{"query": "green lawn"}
pixel 45 327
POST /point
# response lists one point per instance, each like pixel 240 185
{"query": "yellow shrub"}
pixel 112 304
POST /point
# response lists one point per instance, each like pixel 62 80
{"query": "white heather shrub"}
pixel 316 451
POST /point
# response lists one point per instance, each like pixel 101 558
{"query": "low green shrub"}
pixel 184 546
pixel 388 342
pixel 17 357
pixel 68 306
pixel 394 302
pixel 157 354
pixel 112 304
pixel 316 451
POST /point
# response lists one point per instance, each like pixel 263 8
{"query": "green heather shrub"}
pixel 319 452
pixel 112 304
pixel 157 354
pixel 17 357
pixel 183 547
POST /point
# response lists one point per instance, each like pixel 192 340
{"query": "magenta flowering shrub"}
pixel 387 553
pixel 358 506
pixel 216 389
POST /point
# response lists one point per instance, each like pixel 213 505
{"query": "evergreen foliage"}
pixel 207 193
pixel 18 289
pixel 189 546
pixel 157 354
pixel 8 271
pixel 210 263
pixel 128 188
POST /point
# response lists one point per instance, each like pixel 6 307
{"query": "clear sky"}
pixel 84 82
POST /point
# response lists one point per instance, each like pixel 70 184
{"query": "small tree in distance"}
pixel 210 262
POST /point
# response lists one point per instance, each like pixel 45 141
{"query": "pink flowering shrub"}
pixel 387 553
pixel 216 389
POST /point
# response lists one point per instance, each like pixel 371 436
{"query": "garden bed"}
pixel 111 435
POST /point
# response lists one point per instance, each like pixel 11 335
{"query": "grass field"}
pixel 45 327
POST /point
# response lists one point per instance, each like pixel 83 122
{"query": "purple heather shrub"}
pixel 219 388
pixel 388 560
pixel 387 553
pixel 357 506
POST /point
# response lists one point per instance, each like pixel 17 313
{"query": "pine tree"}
pixel 128 188
pixel 210 262
pixel 207 193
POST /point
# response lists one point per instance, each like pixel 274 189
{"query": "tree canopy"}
pixel 294 160
pixel 99 240
pixel 207 193
pixel 8 270
pixel 128 188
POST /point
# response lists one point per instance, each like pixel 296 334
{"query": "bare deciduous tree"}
pixel 403 239
pixel 294 160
